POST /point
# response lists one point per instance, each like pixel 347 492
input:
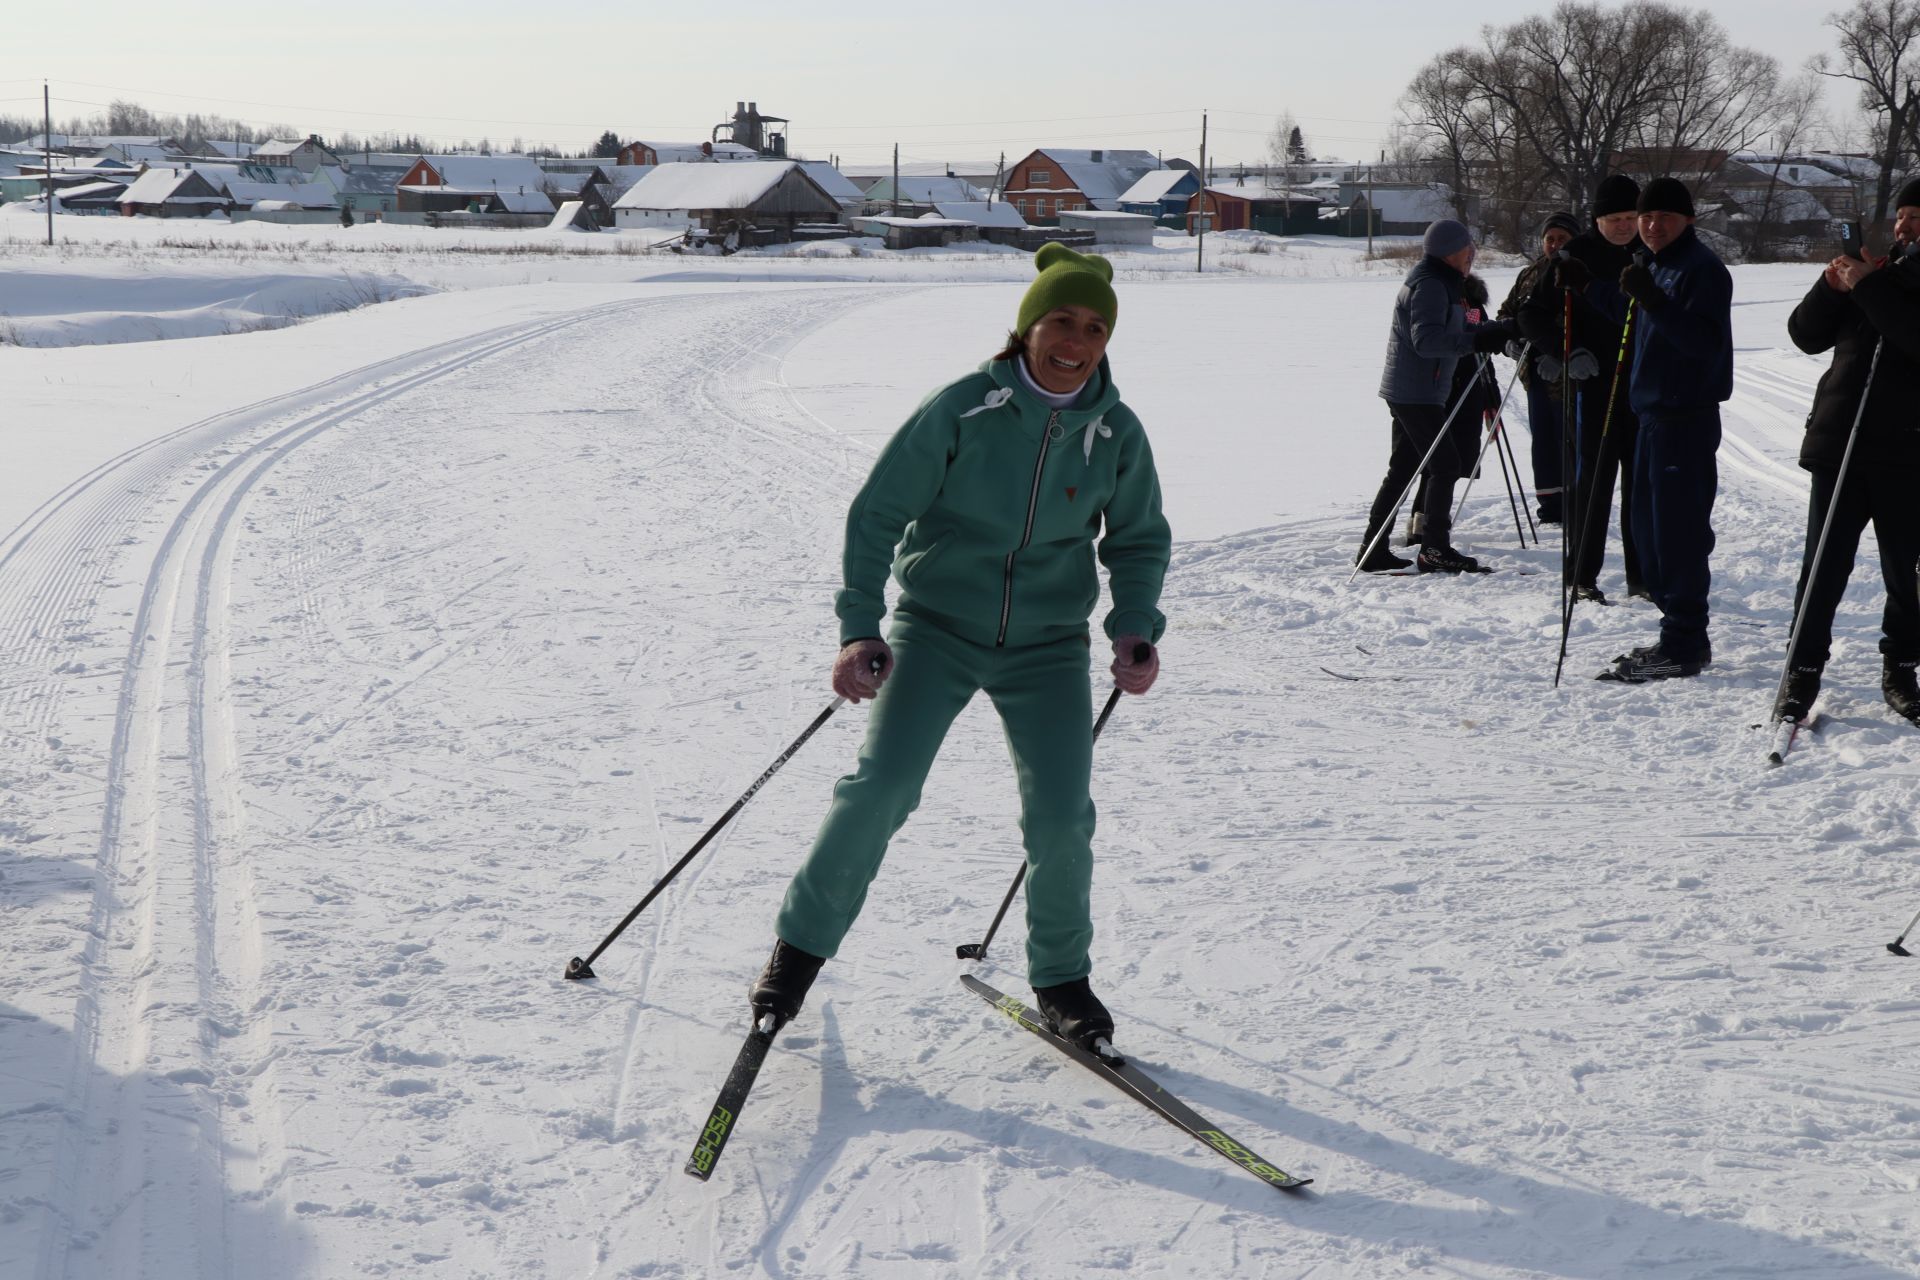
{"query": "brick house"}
pixel 1054 179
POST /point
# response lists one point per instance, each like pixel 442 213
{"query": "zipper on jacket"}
pixel 1026 535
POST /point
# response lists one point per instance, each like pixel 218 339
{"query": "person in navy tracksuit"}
pixel 1681 373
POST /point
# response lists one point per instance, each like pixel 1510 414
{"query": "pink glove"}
pixel 854 676
pixel 1134 674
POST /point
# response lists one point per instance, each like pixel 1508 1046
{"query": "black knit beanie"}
pixel 1909 195
pixel 1666 195
pixel 1616 194
pixel 1563 221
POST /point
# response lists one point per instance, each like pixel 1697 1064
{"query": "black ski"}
pixel 1137 1084
pixel 1787 732
pixel 733 1096
pixel 1342 675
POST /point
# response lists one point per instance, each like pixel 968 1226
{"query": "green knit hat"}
pixel 1068 279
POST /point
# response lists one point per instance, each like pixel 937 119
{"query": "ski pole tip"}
pixel 1897 949
pixel 578 969
pixel 967 951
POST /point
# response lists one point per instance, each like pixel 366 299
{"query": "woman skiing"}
pixel 988 504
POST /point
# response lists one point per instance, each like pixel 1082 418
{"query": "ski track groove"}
pixel 115 1023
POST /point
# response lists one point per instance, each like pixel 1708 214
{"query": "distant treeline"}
pixel 194 131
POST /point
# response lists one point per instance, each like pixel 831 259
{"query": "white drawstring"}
pixel 1097 427
pixel 995 398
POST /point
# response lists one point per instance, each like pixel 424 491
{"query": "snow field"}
pixel 335 725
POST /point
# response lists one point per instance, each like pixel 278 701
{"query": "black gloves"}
pixel 1638 283
pixel 1516 348
pixel 1581 365
pixel 1494 335
pixel 1571 273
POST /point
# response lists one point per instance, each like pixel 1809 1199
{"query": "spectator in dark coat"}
pixel 1861 309
pixel 1543 403
pixel 1603 420
pixel 1682 372
pixel 1428 337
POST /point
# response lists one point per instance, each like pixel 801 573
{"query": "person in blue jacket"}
pixel 1681 373
pixel 1430 334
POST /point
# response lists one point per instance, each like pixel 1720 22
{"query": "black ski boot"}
pixel 1384 561
pixel 1446 560
pixel 781 988
pixel 1591 595
pixel 1796 696
pixel 1900 688
pixel 1655 665
pixel 1075 1012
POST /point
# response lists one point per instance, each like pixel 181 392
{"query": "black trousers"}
pixel 1890 499
pixel 1676 478
pixel 1595 471
pixel 1414 429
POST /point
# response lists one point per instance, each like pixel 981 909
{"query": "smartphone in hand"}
pixel 1852 241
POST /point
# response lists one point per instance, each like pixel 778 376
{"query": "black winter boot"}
pixel 1384 561
pixel 1076 1013
pixel 1901 690
pixel 782 986
pixel 1445 559
pixel 1796 696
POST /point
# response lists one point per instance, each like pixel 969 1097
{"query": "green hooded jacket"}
pixel 987 503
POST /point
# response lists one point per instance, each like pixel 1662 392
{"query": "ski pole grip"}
pixel 1142 651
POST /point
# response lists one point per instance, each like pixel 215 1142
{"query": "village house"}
pixel 1055 179
pixel 173 193
pixel 305 155
pixel 474 184
pixel 364 189
pixel 776 195
pixel 1164 194
pixel 652 153
pixel 1253 206
pixel 918 196
pixel 927 232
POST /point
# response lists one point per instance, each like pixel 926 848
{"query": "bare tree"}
pixel 1279 149
pixel 1878 52
pixel 1798 117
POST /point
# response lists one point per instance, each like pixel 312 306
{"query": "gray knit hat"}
pixel 1562 221
pixel 1446 236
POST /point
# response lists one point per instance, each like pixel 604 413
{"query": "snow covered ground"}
pixel 355 675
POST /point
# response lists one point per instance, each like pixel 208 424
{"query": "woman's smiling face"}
pixel 1064 347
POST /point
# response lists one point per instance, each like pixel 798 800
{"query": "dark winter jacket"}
pixel 1598 310
pixel 1474 375
pixel 1430 333
pixel 987 506
pixel 1683 349
pixel 1523 288
pixel 1849 324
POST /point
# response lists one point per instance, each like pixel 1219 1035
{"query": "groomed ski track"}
pixel 381 698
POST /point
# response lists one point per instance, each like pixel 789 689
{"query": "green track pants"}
pixel 1045 703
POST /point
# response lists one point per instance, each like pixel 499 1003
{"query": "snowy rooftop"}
pixel 1103 174
pixel 927 190
pixel 1104 215
pixel 833 182
pixel 484 173
pixel 980 213
pixel 156 186
pixel 1152 186
pixel 705 186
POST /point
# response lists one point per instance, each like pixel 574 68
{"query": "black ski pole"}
pixel 1820 547
pixel 1414 479
pixel 1519 364
pixel 578 968
pixel 1506 442
pixel 1583 513
pixel 978 950
pixel 1895 946
pixel 1569 485
pixel 1507 477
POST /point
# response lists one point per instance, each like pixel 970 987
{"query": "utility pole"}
pixel 1200 260
pixel 896 179
pixel 1370 209
pixel 46 136
pixel 999 181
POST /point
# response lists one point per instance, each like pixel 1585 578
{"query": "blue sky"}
pixel 957 84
